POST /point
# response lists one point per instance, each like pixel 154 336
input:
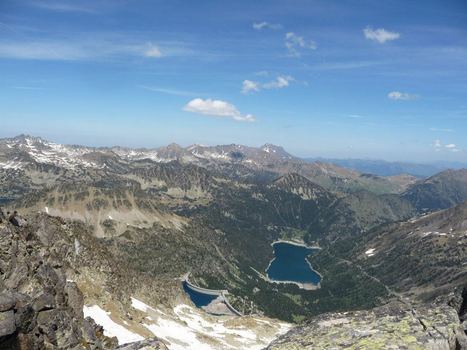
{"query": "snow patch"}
pixel 139 305
pixel 111 329
pixel 370 252
pixel 191 329
pixel 10 165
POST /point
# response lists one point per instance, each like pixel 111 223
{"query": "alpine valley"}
pixel 111 244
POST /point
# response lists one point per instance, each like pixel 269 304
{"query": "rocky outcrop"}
pixel 147 344
pixel 393 326
pixel 39 308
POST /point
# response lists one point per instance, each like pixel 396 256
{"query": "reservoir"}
pixel 211 301
pixel 290 264
pixel 198 298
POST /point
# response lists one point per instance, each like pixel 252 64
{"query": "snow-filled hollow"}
pixel 111 329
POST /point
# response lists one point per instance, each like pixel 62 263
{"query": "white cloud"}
pixel 380 35
pixel 81 49
pixel 153 51
pixel 44 50
pixel 217 108
pixel 295 43
pixel 404 96
pixel 266 25
pixel 347 65
pixel 280 82
pixel 249 86
pixel 439 146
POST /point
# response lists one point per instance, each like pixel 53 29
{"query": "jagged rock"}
pixel 7 323
pixel 461 339
pixel 462 307
pixel 147 344
pixel 39 309
pixel 7 302
pixel 74 298
pixel 43 302
pixel 393 326
pixel 25 318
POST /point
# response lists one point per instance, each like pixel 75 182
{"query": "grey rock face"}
pixel 393 326
pixel 39 309
pixel 147 344
pixel 7 323
pixel 7 302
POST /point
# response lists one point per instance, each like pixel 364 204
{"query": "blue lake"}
pixel 199 299
pixel 290 264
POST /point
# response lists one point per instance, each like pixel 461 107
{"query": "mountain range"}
pixel 386 168
pixel 127 224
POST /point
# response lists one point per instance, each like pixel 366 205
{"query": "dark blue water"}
pixel 199 299
pixel 290 264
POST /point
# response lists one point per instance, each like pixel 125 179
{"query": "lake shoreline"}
pixel 305 286
pixel 298 244
pixel 219 305
pixel 301 285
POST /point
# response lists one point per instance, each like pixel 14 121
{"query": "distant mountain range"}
pixel 129 223
pixel 385 168
pixel 27 155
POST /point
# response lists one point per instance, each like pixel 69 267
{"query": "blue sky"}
pixel 360 79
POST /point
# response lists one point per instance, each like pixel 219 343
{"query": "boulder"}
pixel 39 309
pixel 45 301
pixel 7 323
pixel 7 301
pixel 147 344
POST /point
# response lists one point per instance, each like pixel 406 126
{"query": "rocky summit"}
pixel 393 326
pixel 39 307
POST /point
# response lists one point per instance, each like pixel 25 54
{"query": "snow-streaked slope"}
pixel 17 152
pixel 191 328
pixel 188 328
pixel 23 149
pixel 111 329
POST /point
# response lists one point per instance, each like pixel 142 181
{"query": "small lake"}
pixel 198 298
pixel 290 264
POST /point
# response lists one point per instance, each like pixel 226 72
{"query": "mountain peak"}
pixel 276 150
pixel 24 138
pixel 271 146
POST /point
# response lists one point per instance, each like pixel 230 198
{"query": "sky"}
pixel 342 79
